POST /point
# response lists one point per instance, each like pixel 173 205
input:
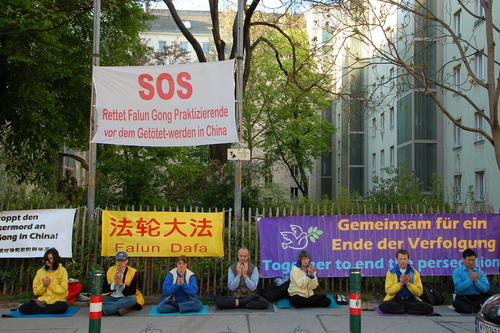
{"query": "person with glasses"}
pixel 120 288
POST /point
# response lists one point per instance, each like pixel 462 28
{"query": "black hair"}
pixel 56 258
pixel 468 253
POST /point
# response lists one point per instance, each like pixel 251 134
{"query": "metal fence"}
pixel 16 274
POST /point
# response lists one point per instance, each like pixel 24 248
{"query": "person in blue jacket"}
pixel 179 290
pixel 471 284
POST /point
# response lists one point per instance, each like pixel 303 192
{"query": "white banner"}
pixel 29 233
pixel 166 106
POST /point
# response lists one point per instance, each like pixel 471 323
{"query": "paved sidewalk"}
pixel 246 321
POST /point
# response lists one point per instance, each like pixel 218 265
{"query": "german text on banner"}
pixel 338 243
pixel 162 234
pixel 166 106
pixel 29 233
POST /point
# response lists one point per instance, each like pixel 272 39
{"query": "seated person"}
pixel 179 290
pixel 242 280
pixel 120 288
pixel 403 287
pixel 51 285
pixel 303 281
pixel 471 285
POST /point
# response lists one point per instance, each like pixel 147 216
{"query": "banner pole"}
pixel 239 110
pixel 92 153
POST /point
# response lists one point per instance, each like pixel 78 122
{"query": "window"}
pixel 161 46
pixel 457 78
pixel 327 35
pixel 479 125
pixel 391 117
pixel 382 122
pixel 374 127
pixel 479 9
pixel 294 191
pixel 339 149
pixel 457 184
pixel 382 159
pixel 374 162
pixel 480 65
pixel 382 85
pixel 392 78
pixel 205 47
pixel 458 135
pixel 458 23
pixel 391 156
pixel 480 186
pixel 184 46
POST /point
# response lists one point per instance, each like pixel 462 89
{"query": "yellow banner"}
pixel 161 234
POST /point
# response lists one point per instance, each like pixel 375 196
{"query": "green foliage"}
pixel 347 200
pixel 131 175
pixel 20 188
pixel 470 199
pixel 216 186
pixel 400 187
pixel 181 176
pixel 284 101
pixel 45 70
pixel 436 197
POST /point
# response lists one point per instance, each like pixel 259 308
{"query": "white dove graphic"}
pixel 296 239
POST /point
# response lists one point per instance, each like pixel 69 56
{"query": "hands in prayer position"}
pixel 404 280
pixel 46 281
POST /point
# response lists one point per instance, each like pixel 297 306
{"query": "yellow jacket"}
pixel 57 290
pixel 301 284
pixel 130 280
pixel 392 286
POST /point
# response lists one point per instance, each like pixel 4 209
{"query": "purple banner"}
pixel 338 243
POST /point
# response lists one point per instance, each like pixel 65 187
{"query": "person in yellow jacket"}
pixel 303 281
pixel 403 287
pixel 120 288
pixel 51 285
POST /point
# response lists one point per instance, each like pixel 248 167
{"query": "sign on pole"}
pixel 166 106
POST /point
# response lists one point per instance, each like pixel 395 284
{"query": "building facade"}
pixel 386 117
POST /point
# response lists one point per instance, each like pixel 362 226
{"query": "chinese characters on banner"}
pixel 166 106
pixel 162 234
pixel 29 233
pixel 338 243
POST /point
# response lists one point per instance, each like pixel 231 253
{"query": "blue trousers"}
pixel 111 305
pixel 186 305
